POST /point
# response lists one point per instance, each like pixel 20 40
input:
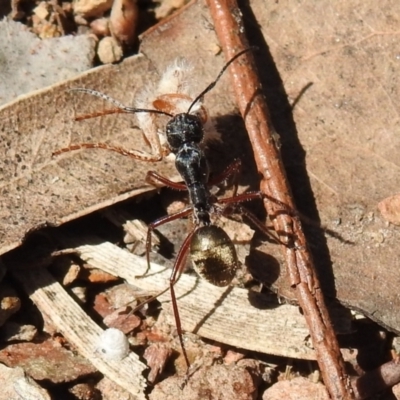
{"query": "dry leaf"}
pixel 37 189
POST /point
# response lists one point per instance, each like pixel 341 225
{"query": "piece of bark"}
pixel 42 361
pixel 157 355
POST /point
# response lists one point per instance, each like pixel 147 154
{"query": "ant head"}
pixel 184 128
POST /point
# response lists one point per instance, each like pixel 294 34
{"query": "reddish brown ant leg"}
pixel 177 270
pixel 161 221
pixel 157 180
pixel 241 198
pixel 232 170
pixel 130 153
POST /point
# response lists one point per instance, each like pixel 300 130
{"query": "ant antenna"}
pixel 212 84
pixel 120 106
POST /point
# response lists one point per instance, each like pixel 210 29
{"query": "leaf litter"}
pixel 345 135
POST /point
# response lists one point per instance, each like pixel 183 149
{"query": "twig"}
pixel 230 30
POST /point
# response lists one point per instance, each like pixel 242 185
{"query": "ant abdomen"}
pixel 214 255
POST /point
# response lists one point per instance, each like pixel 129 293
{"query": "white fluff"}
pixel 175 91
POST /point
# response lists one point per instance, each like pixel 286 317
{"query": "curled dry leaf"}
pixel 123 21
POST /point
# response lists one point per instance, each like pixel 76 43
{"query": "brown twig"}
pixel 230 31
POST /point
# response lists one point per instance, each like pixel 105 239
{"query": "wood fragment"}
pixel 81 332
pixel 231 33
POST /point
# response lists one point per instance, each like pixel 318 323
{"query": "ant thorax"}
pixel 173 95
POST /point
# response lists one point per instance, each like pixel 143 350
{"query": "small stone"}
pixel 121 296
pixel 80 293
pixel 84 391
pixel 42 10
pixel 232 357
pixel 111 391
pixel 109 51
pixel 100 27
pixel 296 389
pixel 123 320
pixel 390 209
pixel 15 385
pixel 92 8
pixel 123 21
pixel 95 275
pixel 42 361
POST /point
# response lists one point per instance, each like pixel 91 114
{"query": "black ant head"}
pixel 184 128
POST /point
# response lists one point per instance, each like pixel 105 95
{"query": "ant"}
pixel 212 251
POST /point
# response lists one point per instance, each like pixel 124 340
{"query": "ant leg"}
pixel 138 155
pixel 158 180
pixel 261 227
pixel 232 170
pixel 177 270
pixel 241 198
pixel 163 220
